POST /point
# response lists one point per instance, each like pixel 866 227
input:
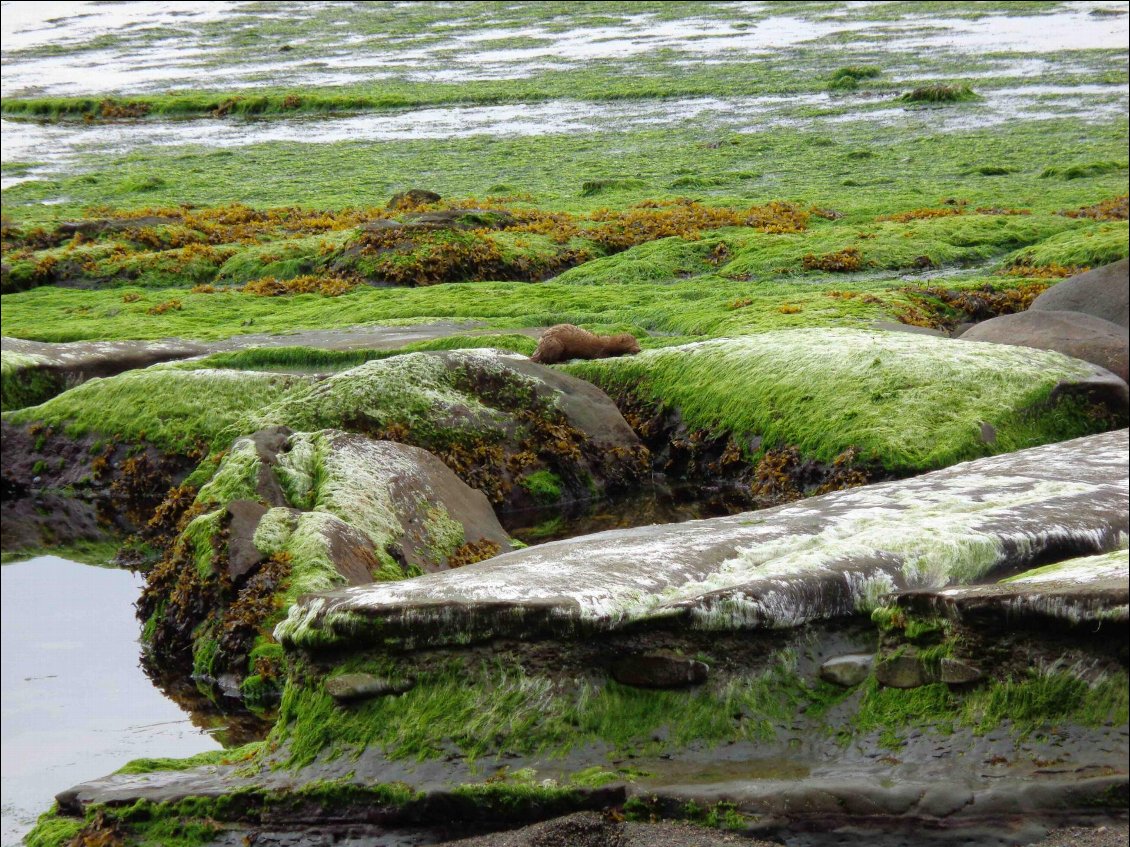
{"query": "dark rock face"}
pixel 1101 292
pixel 1075 334
pixel 847 671
pixel 659 670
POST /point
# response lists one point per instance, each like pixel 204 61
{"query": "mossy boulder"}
pixel 899 402
pixel 524 434
pixel 288 513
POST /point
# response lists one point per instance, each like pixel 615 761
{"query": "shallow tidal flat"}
pixel 316 536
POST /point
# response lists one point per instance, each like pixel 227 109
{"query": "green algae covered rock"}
pixel 288 513
pixel 748 608
pixel 520 432
pixel 905 402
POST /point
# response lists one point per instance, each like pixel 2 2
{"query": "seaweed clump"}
pixel 940 93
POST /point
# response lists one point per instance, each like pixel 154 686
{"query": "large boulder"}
pixel 1075 334
pixel 1101 292
pixel 524 434
pixel 288 513
pixel 898 402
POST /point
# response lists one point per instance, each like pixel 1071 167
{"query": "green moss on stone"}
pixel 908 402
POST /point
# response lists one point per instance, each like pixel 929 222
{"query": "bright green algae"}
pixel 907 401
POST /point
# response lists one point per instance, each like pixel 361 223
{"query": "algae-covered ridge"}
pixel 906 401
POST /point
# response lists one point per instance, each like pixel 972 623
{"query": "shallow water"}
pixel 135 47
pixel 76 703
pixel 57 147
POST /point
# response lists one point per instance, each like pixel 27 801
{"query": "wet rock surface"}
pixel 1090 590
pixel 1102 293
pixel 46 369
pixel 329 508
pixel 778 567
pixel 1082 336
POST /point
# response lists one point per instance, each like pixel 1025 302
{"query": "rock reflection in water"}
pixel 658 504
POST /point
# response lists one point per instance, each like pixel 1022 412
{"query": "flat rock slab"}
pixel 348 338
pixel 1089 589
pixel 77 361
pixel 821 558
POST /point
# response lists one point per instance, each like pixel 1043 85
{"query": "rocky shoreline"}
pixel 940 655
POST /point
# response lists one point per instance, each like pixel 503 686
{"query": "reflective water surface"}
pixel 76 704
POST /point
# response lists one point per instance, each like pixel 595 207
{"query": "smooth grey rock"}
pixel 780 567
pixel 847 671
pixel 1082 336
pixel 229 685
pixel 1102 292
pixel 351 687
pixel 659 670
pixel 957 672
pixel 905 671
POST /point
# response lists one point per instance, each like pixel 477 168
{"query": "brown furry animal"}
pixel 565 341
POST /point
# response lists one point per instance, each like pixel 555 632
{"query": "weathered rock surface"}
pixel 825 557
pixel 1102 292
pixel 1082 336
pixel 1088 590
